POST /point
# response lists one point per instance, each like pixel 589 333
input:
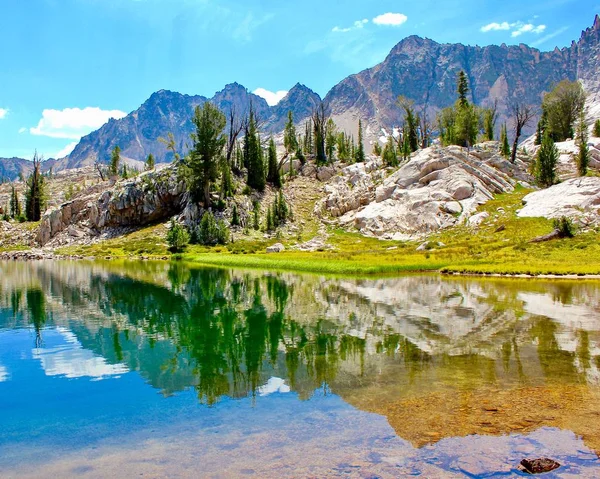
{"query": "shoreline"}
pixel 308 265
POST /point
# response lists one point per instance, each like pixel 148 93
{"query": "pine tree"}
pixel 308 138
pixel 596 131
pixel 504 144
pixel 150 162
pixel 541 128
pixel 15 204
pixel 273 175
pixel 177 237
pixel 235 217
pixel 547 159
pixel 319 121
pixel 462 89
pixel 490 116
pixel 377 151
pixel 207 151
pixel 115 161
pixel 405 146
pixel 124 172
pixel 389 155
pixel 254 159
pixel 35 194
pixel 330 139
pixel 411 122
pixel 583 155
pixel 227 187
pixel 290 142
pixel 359 154
pixel 467 125
pixel 256 215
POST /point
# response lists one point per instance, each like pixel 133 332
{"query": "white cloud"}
pixel 391 19
pixel 272 97
pixel 72 361
pixel 73 123
pixel 527 28
pixel 495 26
pixel 517 28
pixel 4 376
pixel 22 130
pixel 356 25
pixel 274 385
pixel 3 113
pixel 65 151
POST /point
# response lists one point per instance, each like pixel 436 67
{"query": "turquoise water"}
pixel 159 370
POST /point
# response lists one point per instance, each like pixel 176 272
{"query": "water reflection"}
pixel 438 357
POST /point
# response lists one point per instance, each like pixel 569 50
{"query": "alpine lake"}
pixel 157 369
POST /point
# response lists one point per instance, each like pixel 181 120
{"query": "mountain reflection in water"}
pixel 439 358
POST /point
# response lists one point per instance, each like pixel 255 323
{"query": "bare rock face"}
pixel 437 188
pixel 577 198
pixel 148 198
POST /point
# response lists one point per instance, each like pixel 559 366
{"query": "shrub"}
pixel 564 226
pixel 212 232
pixel 177 237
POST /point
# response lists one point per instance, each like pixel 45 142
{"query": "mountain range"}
pixel 417 68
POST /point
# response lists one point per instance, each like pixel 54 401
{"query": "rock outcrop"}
pixel 577 198
pixel 437 188
pixel 148 198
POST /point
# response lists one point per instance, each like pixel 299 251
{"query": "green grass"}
pixel 481 251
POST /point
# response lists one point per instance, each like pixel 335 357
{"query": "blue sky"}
pixel 69 65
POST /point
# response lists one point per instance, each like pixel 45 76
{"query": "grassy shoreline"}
pixel 500 246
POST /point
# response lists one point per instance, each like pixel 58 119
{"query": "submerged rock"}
pixel 538 466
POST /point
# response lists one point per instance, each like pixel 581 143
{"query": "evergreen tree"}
pixel 235 217
pixel 177 237
pixel 290 142
pixel 319 121
pixel 446 124
pixel 115 161
pixel 35 194
pixel 490 116
pixel 342 147
pixel 254 159
pixel 256 215
pixel 207 151
pixel 330 139
pixel 563 106
pixel 411 123
pixel 504 144
pixel 308 138
pixel 150 162
pixel 583 155
pixel 596 131
pixel 405 145
pixel 462 89
pixel 212 232
pixel 389 154
pixel 124 171
pixel 227 187
pixel 547 159
pixel 377 149
pixel 467 125
pixel 273 175
pixel 359 153
pixel 541 128
pixel 15 204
